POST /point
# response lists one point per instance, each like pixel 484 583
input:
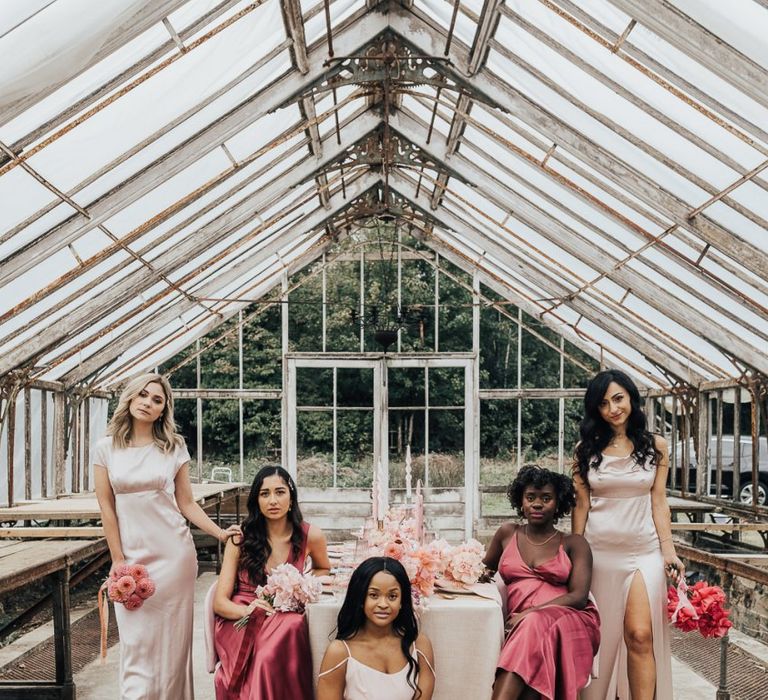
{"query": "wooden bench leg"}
pixel 62 634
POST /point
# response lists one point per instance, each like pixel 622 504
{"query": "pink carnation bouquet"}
pixel 287 590
pixel 129 584
pixel 699 607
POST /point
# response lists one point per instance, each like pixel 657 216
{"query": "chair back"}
pixel 209 621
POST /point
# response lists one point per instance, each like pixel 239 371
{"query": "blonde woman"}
pixel 141 472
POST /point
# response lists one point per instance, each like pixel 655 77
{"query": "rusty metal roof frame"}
pixel 634 254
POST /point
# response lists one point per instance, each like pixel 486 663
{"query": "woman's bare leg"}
pixel 638 636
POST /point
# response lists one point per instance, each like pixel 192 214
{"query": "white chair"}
pixel 209 621
pixel 221 474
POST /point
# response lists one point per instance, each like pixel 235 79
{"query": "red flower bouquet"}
pixel 699 607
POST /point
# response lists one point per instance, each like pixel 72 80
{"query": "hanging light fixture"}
pixel 385 315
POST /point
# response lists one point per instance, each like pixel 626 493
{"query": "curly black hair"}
pixel 538 477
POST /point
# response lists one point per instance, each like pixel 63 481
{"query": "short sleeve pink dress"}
pixel 156 639
pixel 552 648
pixel 270 659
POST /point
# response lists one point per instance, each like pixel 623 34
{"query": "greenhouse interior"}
pixel 384 245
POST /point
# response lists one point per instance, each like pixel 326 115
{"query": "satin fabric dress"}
pixel 624 542
pixel 361 682
pixel 270 659
pixel 551 649
pixel 156 639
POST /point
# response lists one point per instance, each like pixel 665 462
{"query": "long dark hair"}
pixel 255 547
pixel 595 433
pixel 352 614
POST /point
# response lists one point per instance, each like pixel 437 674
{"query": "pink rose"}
pixel 114 593
pixel 120 571
pixel 145 588
pixel 139 571
pixel 394 549
pixel 133 602
pixel 685 620
pixel 126 585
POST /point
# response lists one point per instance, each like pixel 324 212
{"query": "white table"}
pixel 466 632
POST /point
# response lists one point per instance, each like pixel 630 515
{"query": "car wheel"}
pixel 745 495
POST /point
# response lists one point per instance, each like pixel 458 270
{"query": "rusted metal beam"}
pixel 575 244
pixel 688 93
pixel 314 220
pixel 686 35
pixel 168 261
pixel 191 150
pixel 452 223
pixel 428 39
pixel 128 28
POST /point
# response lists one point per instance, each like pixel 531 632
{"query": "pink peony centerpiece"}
pixel 287 590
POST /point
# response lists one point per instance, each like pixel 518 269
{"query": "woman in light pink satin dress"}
pixel 270 658
pixel 142 484
pixel 620 477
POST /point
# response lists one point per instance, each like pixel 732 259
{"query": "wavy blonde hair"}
pixel 163 429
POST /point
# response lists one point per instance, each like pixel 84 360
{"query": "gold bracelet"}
pixel 666 539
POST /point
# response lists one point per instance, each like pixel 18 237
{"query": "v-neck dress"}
pixel 270 658
pixel 551 648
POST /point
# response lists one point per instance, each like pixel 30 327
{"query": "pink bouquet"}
pixel 465 562
pixel 130 585
pixel 287 590
pixel 699 607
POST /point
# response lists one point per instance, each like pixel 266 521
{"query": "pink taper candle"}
pixel 419 513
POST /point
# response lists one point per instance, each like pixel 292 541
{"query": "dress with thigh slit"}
pixel 621 532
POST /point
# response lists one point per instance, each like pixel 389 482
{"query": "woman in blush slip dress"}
pixel 141 475
pixel 378 653
pixel 620 475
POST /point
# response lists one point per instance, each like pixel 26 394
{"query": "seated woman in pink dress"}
pixel 554 630
pixel 270 658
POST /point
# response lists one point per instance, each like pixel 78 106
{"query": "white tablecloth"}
pixel 466 633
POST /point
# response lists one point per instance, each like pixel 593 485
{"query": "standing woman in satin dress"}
pixel 620 475
pixel 141 473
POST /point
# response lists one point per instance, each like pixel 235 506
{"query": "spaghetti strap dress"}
pixel 270 658
pixel 551 648
pixel 621 532
pixel 365 683
pixel 156 639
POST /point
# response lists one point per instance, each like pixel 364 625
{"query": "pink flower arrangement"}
pixel 287 590
pixel 129 585
pixel 424 564
pixel 465 562
pixel 699 607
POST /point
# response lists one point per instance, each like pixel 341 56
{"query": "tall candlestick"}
pixel 408 473
pixel 375 497
pixel 419 513
pixel 383 506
